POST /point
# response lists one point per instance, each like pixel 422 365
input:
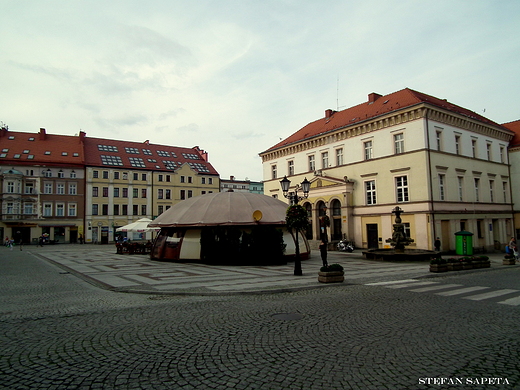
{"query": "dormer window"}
pixel 26 151
pixel 31 138
pixel 64 154
pixel 11 137
pixel 47 152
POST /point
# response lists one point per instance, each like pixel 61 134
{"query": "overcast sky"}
pixel 234 77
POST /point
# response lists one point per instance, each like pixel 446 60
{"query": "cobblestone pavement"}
pixel 58 332
pixel 137 273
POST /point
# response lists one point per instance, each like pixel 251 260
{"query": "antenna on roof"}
pixel 337 96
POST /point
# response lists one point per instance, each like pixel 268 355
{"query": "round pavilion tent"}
pixel 226 227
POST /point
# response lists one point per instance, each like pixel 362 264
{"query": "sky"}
pixel 236 77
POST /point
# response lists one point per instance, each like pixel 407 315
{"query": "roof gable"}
pixel 144 155
pixel 515 128
pixel 376 105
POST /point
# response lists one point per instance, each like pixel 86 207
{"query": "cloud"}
pixel 191 128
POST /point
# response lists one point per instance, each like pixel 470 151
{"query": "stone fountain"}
pixel 398 241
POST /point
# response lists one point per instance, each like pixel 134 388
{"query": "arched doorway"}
pixel 323 221
pixel 336 233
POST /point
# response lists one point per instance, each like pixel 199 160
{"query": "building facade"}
pixel 445 166
pixel 514 160
pixel 126 181
pixel 72 187
pixel 42 181
pixel 232 184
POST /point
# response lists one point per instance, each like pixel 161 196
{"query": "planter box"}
pixel 454 266
pixel 438 268
pixel 331 277
pixel 467 265
pixel 508 261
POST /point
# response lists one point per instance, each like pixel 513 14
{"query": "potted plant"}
pixel 453 264
pixel 438 264
pixel 331 274
pixel 509 259
pixel 484 262
pixel 466 262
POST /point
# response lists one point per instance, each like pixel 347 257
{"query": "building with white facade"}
pixel 445 166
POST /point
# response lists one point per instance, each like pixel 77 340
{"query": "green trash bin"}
pixel 464 243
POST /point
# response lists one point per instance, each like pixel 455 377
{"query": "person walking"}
pixel 513 249
pixel 437 244
pixel 323 253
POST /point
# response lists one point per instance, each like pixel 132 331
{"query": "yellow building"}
pixel 445 166
pixel 126 181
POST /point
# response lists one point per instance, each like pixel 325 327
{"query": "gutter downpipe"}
pixel 432 207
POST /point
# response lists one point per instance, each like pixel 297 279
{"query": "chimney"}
pixel 147 142
pixel 232 178
pixel 3 130
pixel 329 113
pixel 82 136
pixel 43 134
pixel 372 97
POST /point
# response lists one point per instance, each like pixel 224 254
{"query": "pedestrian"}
pixel 323 253
pixel 11 244
pixel 21 244
pixel 437 244
pixel 40 241
pixel 81 238
pixel 6 241
pixel 513 249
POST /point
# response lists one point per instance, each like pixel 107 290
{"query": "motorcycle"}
pixel 346 246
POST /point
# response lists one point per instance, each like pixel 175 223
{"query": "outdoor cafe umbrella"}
pixel 138 226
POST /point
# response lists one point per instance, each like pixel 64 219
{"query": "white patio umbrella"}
pixel 138 226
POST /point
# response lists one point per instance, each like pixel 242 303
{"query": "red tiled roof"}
pixel 40 148
pixel 372 109
pixel 144 155
pixel 514 127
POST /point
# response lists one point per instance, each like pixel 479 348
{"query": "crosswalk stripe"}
pixel 416 283
pixel 461 291
pixel 391 282
pixel 491 294
pixel 437 287
pixel 511 301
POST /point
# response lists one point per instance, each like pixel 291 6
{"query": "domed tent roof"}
pixel 224 208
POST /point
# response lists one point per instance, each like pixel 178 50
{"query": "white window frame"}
pixel 399 143
pixel 476 186
pixel 339 156
pixel 312 162
pixel 324 160
pixel 460 181
pixel 72 210
pixel 368 147
pixel 47 188
pixel 370 192
pixel 402 194
pixel 442 184
pixel 290 167
pixel 60 210
pixel 47 209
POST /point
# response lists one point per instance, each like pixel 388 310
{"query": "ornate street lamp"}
pixel 293 196
pixel 296 216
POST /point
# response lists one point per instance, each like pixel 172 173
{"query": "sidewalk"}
pixel 101 266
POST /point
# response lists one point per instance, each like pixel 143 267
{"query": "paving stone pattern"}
pixel 58 332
